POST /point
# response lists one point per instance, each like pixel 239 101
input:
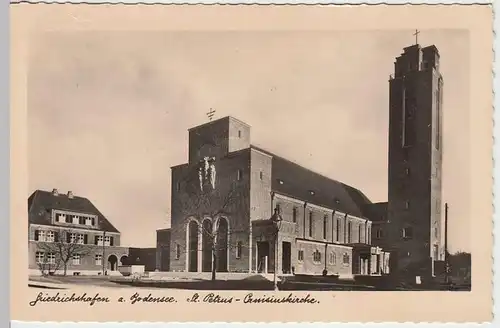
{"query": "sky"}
pixel 108 112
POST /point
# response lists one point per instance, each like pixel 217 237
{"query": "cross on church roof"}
pixel 417 32
pixel 211 114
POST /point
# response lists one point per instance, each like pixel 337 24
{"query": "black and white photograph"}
pixel 266 164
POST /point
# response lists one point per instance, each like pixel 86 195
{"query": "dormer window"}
pixel 76 220
pixel 89 221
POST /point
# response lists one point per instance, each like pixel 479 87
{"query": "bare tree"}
pixel 200 196
pixel 64 248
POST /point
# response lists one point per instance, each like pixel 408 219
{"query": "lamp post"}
pixel 276 220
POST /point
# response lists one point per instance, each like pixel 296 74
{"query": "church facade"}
pixel 240 208
pixel 223 200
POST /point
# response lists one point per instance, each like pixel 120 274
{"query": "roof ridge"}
pixel 301 166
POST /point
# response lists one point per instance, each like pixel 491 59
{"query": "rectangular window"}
pixel 80 239
pixel 98 259
pixel 76 259
pixel 349 232
pixel 72 238
pixel 41 235
pixel 300 255
pixel 69 218
pixel 261 175
pixel 88 221
pixel 239 133
pixel 294 215
pixel 310 224
pixel 40 257
pixel 51 258
pixel 76 220
pixel 407 233
pixel 107 241
pixel 81 220
pixel 99 240
pixel 325 221
pixel 50 237
pixel 379 233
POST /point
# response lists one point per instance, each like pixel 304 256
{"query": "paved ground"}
pixel 67 281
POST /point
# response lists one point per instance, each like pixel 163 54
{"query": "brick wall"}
pixel 186 206
pixel 309 266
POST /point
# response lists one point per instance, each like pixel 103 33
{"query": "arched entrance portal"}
pixel 193 246
pixel 112 260
pixel 222 239
pixel 207 243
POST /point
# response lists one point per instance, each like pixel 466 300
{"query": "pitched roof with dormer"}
pixel 41 203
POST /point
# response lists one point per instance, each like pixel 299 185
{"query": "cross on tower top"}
pixel 417 32
pixel 211 114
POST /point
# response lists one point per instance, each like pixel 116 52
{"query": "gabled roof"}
pixel 41 202
pixel 304 184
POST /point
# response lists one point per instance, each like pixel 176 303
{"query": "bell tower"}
pixel 415 162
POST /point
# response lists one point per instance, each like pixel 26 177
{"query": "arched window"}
pixel 317 256
pixel 346 259
pixel 332 258
pixel 239 249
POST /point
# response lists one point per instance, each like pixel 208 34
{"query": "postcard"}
pixel 178 163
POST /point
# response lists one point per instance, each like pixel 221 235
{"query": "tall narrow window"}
pixel 261 175
pixel 294 215
pixel 325 220
pixel 240 175
pixel 349 232
pixel 177 251
pixel 338 230
pixel 239 249
pixel 438 116
pixel 408 112
pixel 310 224
pixel 239 133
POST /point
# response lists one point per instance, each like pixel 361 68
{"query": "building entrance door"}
pixel 263 256
pixel 286 260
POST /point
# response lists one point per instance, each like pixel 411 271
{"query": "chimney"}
pixel 70 194
pixel 55 192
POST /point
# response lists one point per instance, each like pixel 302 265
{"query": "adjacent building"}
pixel 68 234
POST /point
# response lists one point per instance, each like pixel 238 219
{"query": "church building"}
pixel 241 208
pixel 224 199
